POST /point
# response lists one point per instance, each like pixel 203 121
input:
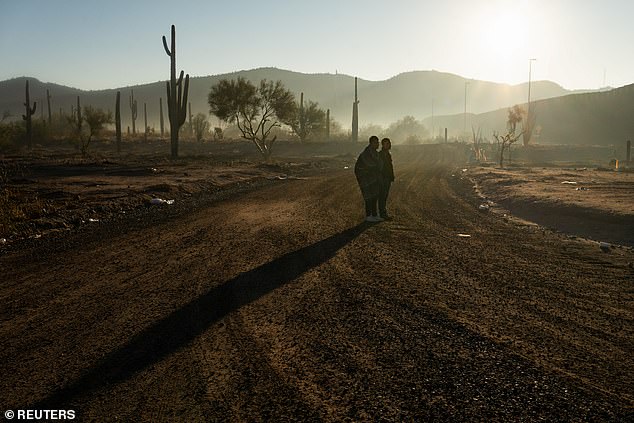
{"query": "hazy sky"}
pixel 111 43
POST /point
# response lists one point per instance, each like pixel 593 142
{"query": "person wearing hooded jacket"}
pixel 367 169
pixel 386 176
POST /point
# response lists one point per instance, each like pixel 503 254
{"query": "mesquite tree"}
pixel 176 95
pixel 95 119
pixel 255 110
pixel 306 121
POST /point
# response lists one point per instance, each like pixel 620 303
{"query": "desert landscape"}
pixel 260 293
pixel 303 212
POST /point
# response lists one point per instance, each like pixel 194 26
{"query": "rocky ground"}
pixel 272 301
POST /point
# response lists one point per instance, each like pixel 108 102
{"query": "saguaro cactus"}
pixel 161 115
pixel 133 111
pixel 302 118
pixel 355 114
pixel 176 95
pixel 117 120
pixel 145 121
pixel 27 117
pixel 191 125
pixel 328 125
pixel 78 117
pixel 48 102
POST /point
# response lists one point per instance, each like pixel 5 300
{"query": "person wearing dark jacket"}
pixel 386 177
pixel 367 169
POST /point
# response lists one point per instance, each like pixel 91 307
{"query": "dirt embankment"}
pixel 279 304
pixel 590 203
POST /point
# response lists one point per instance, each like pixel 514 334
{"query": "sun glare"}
pixel 505 33
pixel 502 40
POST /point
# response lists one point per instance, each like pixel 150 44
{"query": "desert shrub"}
pixel 405 128
pixel 201 126
pixel 413 140
pixel 366 131
pixel 11 134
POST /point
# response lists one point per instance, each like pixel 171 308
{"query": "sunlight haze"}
pixel 95 45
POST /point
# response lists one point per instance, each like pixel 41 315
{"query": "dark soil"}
pixel 275 302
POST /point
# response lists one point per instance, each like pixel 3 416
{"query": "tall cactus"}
pixel 78 121
pixel 161 114
pixel 133 111
pixel 302 118
pixel 48 102
pixel 117 120
pixel 191 125
pixel 145 121
pixel 355 114
pixel 176 95
pixel 27 117
pixel 328 125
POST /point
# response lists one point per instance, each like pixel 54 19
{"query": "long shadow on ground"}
pixel 185 324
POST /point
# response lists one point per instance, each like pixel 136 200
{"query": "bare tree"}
pixel 477 141
pixel 505 141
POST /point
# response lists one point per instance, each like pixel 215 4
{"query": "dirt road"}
pixel 278 304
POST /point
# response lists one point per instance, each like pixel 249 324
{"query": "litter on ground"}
pixel 159 201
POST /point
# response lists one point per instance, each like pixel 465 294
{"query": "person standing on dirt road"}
pixel 367 169
pixel 387 176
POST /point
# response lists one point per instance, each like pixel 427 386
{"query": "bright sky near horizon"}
pixel 107 44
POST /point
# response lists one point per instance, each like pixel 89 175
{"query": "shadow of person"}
pixel 185 324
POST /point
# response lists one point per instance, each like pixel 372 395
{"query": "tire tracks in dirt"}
pixel 279 305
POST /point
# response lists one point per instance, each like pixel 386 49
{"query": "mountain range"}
pixel 437 98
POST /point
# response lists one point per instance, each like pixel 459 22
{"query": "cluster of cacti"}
pixel 355 114
pixel 27 117
pixel 133 111
pixel 176 95
pixel 117 120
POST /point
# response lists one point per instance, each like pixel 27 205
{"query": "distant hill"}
pixel 600 118
pixel 381 102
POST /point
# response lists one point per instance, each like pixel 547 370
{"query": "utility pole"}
pixel 528 106
pixel 355 114
pixel 432 119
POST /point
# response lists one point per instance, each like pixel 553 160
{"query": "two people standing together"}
pixel 375 174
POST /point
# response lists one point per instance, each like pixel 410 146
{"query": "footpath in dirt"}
pixel 280 304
